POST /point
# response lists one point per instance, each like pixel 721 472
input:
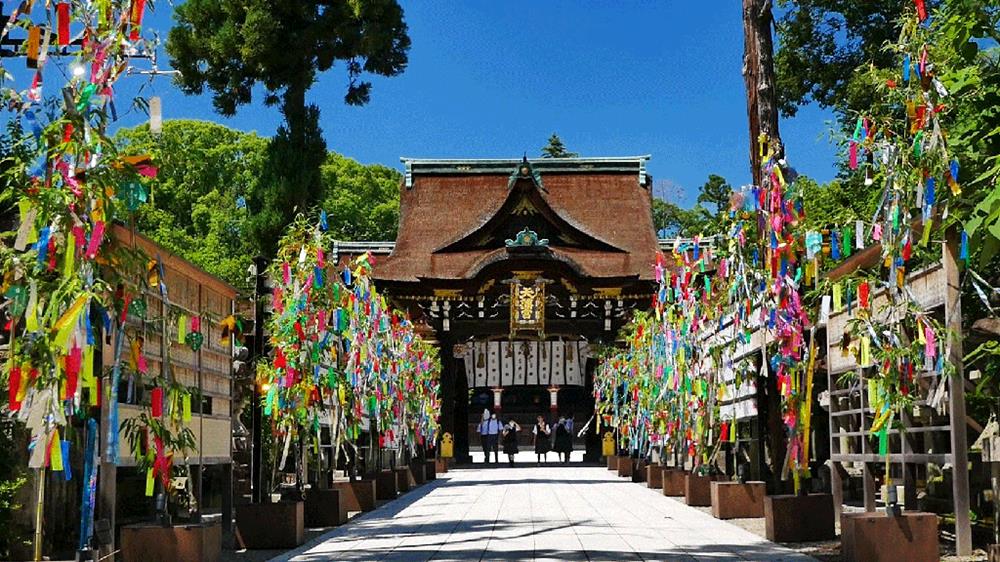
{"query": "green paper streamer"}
pixel 883 440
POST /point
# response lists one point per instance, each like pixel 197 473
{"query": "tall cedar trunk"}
pixel 758 75
pixel 762 114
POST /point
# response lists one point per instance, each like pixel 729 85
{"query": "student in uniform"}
pixel 541 432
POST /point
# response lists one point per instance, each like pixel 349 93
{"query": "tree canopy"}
pixel 556 149
pixel 207 174
pixel 232 46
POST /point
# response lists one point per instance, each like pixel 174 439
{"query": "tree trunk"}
pixel 758 75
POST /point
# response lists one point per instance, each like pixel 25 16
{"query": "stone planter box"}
pixel 325 508
pixel 430 470
pixel 386 485
pixel 419 473
pixel 799 518
pixel 404 479
pixel 673 482
pixel 876 537
pixel 639 471
pixel 271 525
pixel 613 463
pixel 625 466
pixel 654 476
pixel 698 489
pixel 441 465
pixel 731 500
pixel 358 495
pixel 198 542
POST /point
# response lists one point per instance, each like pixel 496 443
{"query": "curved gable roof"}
pixel 444 202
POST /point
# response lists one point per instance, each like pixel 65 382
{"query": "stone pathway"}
pixel 537 513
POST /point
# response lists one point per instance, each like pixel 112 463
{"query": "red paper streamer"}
pixel 62 16
pixel 921 9
pixel 15 386
pixel 863 294
pixel 137 8
pixel 156 402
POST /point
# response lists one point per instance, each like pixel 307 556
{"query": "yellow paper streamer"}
pixel 87 372
pixel 866 351
pixel 181 328
pixel 186 404
pixel 55 453
pixel 70 260
pixel 67 322
pixel 150 483
pixel 838 297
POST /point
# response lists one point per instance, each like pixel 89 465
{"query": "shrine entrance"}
pixel 520 271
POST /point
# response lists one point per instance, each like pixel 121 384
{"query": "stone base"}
pixel 358 495
pixel 654 476
pixel 698 489
pixel 993 553
pixel 325 508
pixel 625 466
pixel 386 486
pixel 799 518
pixel 673 482
pixel 613 463
pixel 876 537
pixel 200 542
pixel 731 500
pixel 418 472
pixel 271 525
pixel 441 465
pixel 639 472
pixel 430 470
pixel 404 479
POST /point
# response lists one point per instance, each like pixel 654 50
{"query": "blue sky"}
pixel 495 79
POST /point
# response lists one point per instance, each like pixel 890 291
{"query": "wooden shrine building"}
pixel 520 270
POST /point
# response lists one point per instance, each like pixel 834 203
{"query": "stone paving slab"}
pixel 537 513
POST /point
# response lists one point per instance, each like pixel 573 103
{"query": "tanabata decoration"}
pixel 341 355
pixel 66 280
pixel 905 149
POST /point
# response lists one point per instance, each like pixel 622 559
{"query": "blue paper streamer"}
pixel 67 470
pixel 89 484
pixel 964 252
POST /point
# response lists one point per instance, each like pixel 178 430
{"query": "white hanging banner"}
pixel 526 363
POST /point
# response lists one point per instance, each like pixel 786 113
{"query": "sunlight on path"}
pixel 537 513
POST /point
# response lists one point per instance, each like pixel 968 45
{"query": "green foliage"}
pixel 13 477
pixel 836 203
pixel 234 45
pixel 672 220
pixel 556 149
pixel 822 42
pixel 362 201
pixel 716 191
pixel 204 170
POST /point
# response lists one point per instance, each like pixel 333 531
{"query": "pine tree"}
pixel 556 149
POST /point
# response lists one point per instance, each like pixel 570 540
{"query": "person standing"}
pixel 510 440
pixel 484 438
pixel 493 427
pixel 541 432
pixel 564 438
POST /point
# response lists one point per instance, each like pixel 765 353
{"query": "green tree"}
pixel 232 46
pixel 821 44
pixel 362 201
pixel 716 191
pixel 556 149
pixel 672 220
pixel 206 172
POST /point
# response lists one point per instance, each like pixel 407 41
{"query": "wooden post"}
pixel 956 397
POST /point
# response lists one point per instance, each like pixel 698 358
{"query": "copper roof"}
pixel 442 201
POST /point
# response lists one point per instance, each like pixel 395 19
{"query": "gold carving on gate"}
pixel 527 307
